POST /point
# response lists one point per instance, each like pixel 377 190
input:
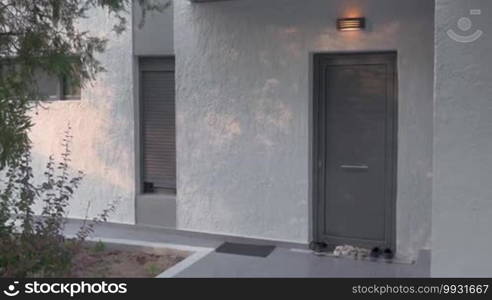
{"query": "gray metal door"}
pixel 158 133
pixel 355 112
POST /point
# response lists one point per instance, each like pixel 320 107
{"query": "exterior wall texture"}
pixel 462 208
pixel 153 36
pixel 244 110
pixel 103 129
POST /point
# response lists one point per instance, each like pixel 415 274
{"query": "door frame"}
pixel 316 96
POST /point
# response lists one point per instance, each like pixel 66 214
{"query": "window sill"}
pixel 157 196
pixel 61 100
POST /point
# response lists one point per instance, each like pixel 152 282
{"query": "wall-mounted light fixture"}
pixel 351 24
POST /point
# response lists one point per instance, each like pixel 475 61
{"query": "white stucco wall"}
pixel 155 35
pixel 462 206
pixel 243 110
pixel 103 129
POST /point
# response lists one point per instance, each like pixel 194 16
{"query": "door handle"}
pixel 355 167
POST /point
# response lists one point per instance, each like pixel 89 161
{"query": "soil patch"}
pixel 93 262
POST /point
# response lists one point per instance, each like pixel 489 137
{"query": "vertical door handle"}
pixel 355 167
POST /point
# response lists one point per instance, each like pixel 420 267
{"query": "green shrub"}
pixel 99 246
pixel 34 245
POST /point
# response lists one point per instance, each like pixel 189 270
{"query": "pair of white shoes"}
pixel 350 251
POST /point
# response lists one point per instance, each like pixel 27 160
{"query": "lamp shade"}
pixel 351 24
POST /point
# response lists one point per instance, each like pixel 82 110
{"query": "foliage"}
pixel 31 245
pixel 35 36
pixel 99 246
pixel 153 269
pixel 43 35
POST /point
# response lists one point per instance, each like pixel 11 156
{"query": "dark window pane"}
pixel 71 88
pixel 46 85
pixel 71 84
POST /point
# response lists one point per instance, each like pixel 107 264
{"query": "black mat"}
pixel 245 249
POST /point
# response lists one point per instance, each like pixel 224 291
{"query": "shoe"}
pixel 388 254
pixel 338 251
pixel 317 247
pixel 375 253
pixel 362 253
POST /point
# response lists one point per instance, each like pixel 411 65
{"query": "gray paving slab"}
pixel 282 262
pixel 286 263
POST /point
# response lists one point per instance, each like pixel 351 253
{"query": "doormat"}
pixel 245 249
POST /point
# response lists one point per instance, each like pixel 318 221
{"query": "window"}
pixel 51 87
pixel 70 88
pixel 48 86
pixel 157 127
